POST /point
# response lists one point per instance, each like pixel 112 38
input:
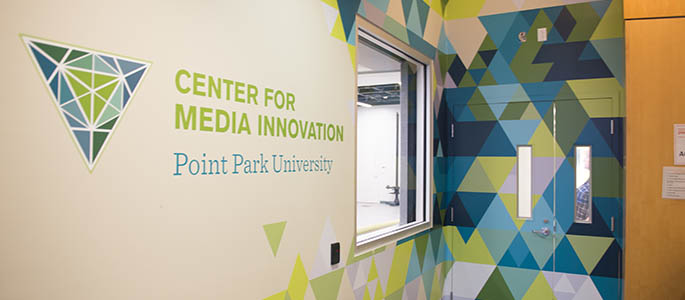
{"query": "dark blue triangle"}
pixel 134 79
pixel 127 96
pixel 607 287
pixel 476 204
pixel 83 138
pixel 54 86
pixel 128 66
pixel 608 265
pixel 614 141
pixel 465 232
pixel 461 215
pixel 597 228
pixel 457 96
pixel 589 53
pixel 469 138
pixel 498 143
pixel 591 136
pixel 437 221
pixel 530 263
pixel 46 66
pixel 553 12
pixel 457 70
pixel 487 56
pixel 566 259
pixel 477 74
pixel 611 207
pixel 507 261
pixel 348 12
pixel 530 15
pixel 518 250
pixel 549 266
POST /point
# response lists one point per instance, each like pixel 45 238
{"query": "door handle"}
pixel 543 232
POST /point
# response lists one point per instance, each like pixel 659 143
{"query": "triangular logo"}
pixel 90 88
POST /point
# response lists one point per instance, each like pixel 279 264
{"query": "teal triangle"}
pixel 497 241
pixel 413 20
pixel 75 111
pixel 116 98
pixel 542 107
pixel 101 66
pixel 428 270
pixel 65 93
pixel 497 217
pixel 424 9
pixel 107 115
pixel 607 287
pixel 477 74
pixel 519 132
pixel 444 44
pixel 507 260
pixel 83 139
pixel 566 259
pixel 611 207
pixel 553 36
pixel 45 64
pixel 529 262
pixel 465 232
pixel 499 94
pixel 518 280
pixel 553 12
pixel 589 53
pixel 72 122
pixel 444 254
pixel 498 143
pixel 362 11
pixel 428 259
pixel 54 86
pixel 84 63
pixel 518 250
pixel 612 52
pixel 601 8
pixel 591 136
pixel 476 204
pixel 466 115
pixel 498 26
pixel 414 270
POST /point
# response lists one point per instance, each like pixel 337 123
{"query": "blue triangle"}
pixel 110 61
pixel 444 44
pixel 54 86
pixel 498 94
pixel 46 66
pixel 458 96
pixel 549 266
pixel 511 43
pixel 466 116
pixel 542 107
pixel 127 96
pixel 498 26
pixel 519 132
pixel 476 204
pixel 128 66
pixel 477 74
pixel 457 167
pixel 554 37
pixel 65 93
pixel 607 287
pixel 500 70
pixel 498 143
pixel 134 79
pixel 465 232
pixel 497 217
pixel 74 110
pixel 591 136
pixel 565 192
pixel 607 208
pixel 543 91
pixel 507 261
pixel 72 122
pixel 589 53
pixel 529 263
pixel 566 259
pixel 530 15
pixel 414 270
pixel 83 138
pixel 553 12
pixel 601 8
pixel 518 249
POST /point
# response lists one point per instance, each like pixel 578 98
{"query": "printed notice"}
pixel 679 144
pixel 673 186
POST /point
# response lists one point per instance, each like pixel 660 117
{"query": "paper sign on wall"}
pixel 673 185
pixel 679 144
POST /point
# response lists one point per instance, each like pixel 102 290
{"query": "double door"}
pixel 538 211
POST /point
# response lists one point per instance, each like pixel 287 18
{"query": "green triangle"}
pixel 397 295
pixel 514 110
pixel 421 244
pixel 57 53
pixel 101 79
pixel 478 63
pixel 480 108
pixel 105 92
pixel 588 21
pixel 110 124
pixel 487 44
pixel 78 88
pixel 85 77
pixel 98 106
pixel 530 113
pixel 274 233
pixel 476 180
pixel 98 141
pixel 611 25
pixel 522 65
pixel 487 79
pixel 445 62
pixel 86 102
pixel 540 289
pixel 497 168
pixel 83 63
pixel 277 296
pixel 467 81
pixel 297 287
pixel 373 271
pixel 74 54
pixel 495 288
pixel 589 249
pixel 379 291
pixel 366 293
pixel 326 287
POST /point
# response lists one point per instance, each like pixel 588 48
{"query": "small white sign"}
pixel 673 185
pixel 542 34
pixel 679 144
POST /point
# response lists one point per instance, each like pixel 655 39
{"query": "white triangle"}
pixel 331 14
pixel 588 292
pixel 564 285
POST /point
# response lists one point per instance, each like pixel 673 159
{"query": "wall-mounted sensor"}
pixel 522 37
pixel 335 253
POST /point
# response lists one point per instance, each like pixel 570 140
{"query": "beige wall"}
pixel 655 227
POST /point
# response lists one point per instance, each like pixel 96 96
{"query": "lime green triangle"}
pixel 399 267
pixel 274 233
pixel 327 286
pixel 83 63
pixel 338 31
pixel 278 296
pixel 530 113
pixel 298 281
pixel 611 25
pixel 474 250
pixel 509 201
pixel 85 77
pixel 495 288
pixel 421 244
pixel 101 79
pixel 589 249
pixel 467 81
pixel 373 272
pixel 487 79
pixel 476 180
pixel 497 168
pixel 86 103
pixel 379 291
pixel 366 294
pixel 78 88
pixel 487 44
pixel 477 63
pixel 332 3
pixel 98 105
pixel 541 142
pixel 106 91
pixel 540 289
pixel 396 295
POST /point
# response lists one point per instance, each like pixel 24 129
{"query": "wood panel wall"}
pixel 655 91
pixel 653 8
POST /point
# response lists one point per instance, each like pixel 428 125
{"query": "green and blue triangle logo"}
pixel 91 90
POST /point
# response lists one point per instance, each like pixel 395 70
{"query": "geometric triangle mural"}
pixel 91 90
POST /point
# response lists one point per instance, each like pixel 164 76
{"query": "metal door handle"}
pixel 544 231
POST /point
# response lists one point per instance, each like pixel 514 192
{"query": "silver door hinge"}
pixel 612 224
pixel 452 130
pixel 612 126
pixel 452 214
